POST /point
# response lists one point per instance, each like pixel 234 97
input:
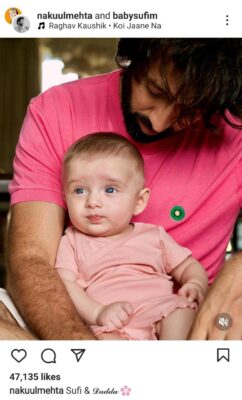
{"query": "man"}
pixel 180 102
pixel 21 25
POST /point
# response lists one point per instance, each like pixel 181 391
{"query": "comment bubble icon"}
pixel 48 356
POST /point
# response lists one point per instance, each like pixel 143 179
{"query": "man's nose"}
pixel 94 200
pixel 163 118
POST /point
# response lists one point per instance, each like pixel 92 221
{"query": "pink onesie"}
pixel 134 268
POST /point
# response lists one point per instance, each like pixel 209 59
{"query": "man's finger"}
pixel 197 334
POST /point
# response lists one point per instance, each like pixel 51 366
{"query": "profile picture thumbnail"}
pixel 21 24
pixel 11 13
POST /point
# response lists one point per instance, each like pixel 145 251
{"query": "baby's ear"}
pixel 142 201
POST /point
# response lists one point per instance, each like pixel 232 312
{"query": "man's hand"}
pixel 225 296
pixel 193 291
pixel 115 315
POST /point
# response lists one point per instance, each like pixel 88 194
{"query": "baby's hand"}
pixel 193 291
pixel 114 315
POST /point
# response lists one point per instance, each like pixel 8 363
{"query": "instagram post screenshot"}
pixel 120 200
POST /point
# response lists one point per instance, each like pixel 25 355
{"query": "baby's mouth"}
pixel 95 218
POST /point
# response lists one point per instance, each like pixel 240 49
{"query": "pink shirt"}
pixel 198 171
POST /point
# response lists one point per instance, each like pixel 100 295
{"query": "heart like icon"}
pixel 19 354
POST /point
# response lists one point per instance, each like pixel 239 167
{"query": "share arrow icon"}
pixel 78 353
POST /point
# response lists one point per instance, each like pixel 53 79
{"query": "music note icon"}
pixel 41 25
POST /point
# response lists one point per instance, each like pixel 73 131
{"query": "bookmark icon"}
pixel 223 354
pixel 78 353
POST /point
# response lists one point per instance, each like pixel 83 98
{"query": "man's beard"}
pixel 130 118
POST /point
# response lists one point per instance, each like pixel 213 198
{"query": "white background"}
pixel 152 370
pixel 187 18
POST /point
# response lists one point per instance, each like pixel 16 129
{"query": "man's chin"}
pixel 154 134
pixel 147 131
pixel 149 137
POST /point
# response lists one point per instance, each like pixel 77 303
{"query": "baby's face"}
pixel 12 13
pixel 102 193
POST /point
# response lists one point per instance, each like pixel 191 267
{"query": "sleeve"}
pixel 233 138
pixel 39 153
pixel 67 257
pixel 174 254
pixel 239 177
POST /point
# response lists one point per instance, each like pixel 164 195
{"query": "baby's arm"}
pixel 112 316
pixel 193 278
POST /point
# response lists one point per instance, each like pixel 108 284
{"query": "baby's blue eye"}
pixel 110 189
pixel 80 190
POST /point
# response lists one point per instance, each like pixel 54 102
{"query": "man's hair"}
pixel 108 144
pixel 19 19
pixel 209 73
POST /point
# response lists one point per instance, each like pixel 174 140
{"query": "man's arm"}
pixel 34 234
pixel 224 296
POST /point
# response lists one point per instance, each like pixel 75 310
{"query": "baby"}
pixel 118 273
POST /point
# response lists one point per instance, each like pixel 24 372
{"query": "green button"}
pixel 177 213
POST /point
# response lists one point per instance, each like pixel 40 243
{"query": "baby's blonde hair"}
pixel 103 143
